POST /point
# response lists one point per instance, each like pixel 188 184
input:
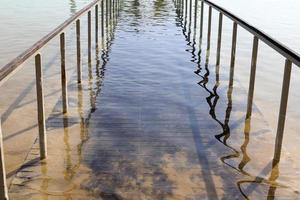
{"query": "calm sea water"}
pixel 25 22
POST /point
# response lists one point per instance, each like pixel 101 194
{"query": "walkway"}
pixel 149 124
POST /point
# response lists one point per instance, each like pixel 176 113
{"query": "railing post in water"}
pixel 63 73
pixel 209 28
pixel 96 24
pixel 283 108
pixel 182 9
pixel 110 11
pixel 233 50
pixel 185 8
pixel 106 14
pixel 78 51
pixel 102 20
pixel 201 20
pixel 89 37
pixel 113 10
pixel 119 7
pixel 3 185
pixel 219 38
pixel 195 14
pixel 252 77
pixel 190 9
pixel 40 107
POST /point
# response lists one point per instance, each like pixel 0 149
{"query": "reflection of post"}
pixel 81 113
pixel 283 107
pixel 219 38
pixel 92 101
pixel 73 7
pixel 252 77
pixel 45 181
pixel 273 177
pixel 68 172
pixel 3 186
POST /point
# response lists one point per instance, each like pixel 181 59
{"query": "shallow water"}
pixel 157 120
pixel 25 22
pixel 21 28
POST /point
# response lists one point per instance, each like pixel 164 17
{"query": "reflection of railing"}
pixel 291 57
pixel 182 7
pixel 111 12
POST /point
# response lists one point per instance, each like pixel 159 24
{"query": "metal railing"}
pixel 258 35
pixel 111 10
pixel 290 56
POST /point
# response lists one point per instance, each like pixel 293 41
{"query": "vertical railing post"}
pixel 182 8
pixel 190 9
pixel 233 50
pixel 219 38
pixel 63 73
pixel 185 9
pixel 96 24
pixel 102 20
pixel 89 37
pixel 40 107
pixel 209 28
pixel 283 108
pixel 113 11
pixel 3 185
pixel 106 14
pixel 110 11
pixel 195 14
pixel 119 7
pixel 78 51
pixel 252 77
pixel 201 19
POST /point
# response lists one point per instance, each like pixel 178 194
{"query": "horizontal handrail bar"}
pixel 278 46
pixel 12 66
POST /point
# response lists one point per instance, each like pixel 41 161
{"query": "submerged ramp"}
pixel 154 120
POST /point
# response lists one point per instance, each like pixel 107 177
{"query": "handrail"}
pixel 276 45
pixel 12 66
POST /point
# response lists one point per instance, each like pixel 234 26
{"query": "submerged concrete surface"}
pixel 154 120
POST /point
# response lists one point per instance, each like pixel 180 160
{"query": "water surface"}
pixel 166 123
